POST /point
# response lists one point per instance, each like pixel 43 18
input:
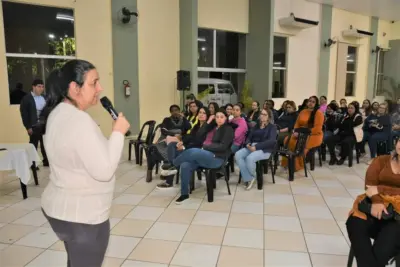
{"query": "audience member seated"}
pixel 176 123
pixel 240 131
pixel 323 104
pixel 259 145
pixel 310 118
pixel 366 109
pixel 345 136
pixel 343 106
pixel 271 105
pixel 283 108
pixel 209 156
pixel 189 99
pixel 285 122
pixel 229 111
pixel 213 108
pixel 375 107
pixel 396 122
pixel 332 120
pixel 254 113
pixel 193 140
pixel 376 128
pixel 375 213
pixel 192 114
pixel 303 105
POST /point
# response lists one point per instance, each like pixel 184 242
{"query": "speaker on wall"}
pixel 183 80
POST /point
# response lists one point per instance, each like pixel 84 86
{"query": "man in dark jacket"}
pixel 31 106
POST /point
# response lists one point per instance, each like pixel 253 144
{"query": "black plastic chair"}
pixel 351 259
pixel 358 154
pixel 303 134
pixel 311 156
pixel 139 141
pixel 151 159
pixel 211 179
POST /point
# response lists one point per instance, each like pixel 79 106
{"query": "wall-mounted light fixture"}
pixel 329 43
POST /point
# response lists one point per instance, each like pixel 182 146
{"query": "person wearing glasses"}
pixel 312 118
pixel 259 145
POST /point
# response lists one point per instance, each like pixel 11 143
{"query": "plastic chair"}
pixel 139 141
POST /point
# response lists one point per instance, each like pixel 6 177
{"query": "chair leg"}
pixel 350 158
pixel 305 166
pixel 272 171
pixel 210 187
pixel 291 167
pixel 177 176
pixel 136 146
pixel 320 157
pixel 240 178
pixel 141 155
pixel 34 172
pixel 232 163
pixel 312 160
pixel 350 258
pixel 227 176
pixel 130 152
pixel 23 189
pixel 259 173
pixel 157 166
pixel 199 175
pixel 191 187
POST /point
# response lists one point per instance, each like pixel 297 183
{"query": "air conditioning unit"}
pixel 294 22
pixel 356 33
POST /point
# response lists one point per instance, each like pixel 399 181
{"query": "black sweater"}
pixel 255 116
pixel 346 127
pixel 171 123
pixel 197 135
pixel 287 120
pixel 222 142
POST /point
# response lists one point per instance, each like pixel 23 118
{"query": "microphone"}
pixel 107 105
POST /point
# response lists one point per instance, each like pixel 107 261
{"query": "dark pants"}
pixel 346 142
pixel 85 244
pixel 192 159
pixel 281 138
pixel 34 139
pixel 373 139
pixel 386 235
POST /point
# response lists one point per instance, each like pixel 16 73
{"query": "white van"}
pixel 221 91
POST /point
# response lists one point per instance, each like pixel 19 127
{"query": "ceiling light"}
pixel 201 39
pixel 277 63
pixel 64 17
pixel 51 36
pixel 350 60
pixel 203 49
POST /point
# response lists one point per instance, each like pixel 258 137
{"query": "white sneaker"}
pixel 250 185
pixel 169 172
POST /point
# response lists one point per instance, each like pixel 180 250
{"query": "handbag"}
pixel 366 205
pixel 358 131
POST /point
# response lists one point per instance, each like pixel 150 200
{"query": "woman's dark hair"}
pixel 312 116
pixel 191 97
pixel 333 106
pixel 221 111
pixel 356 106
pixel 258 103
pixel 206 110
pixel 190 114
pixel 241 104
pixel 57 85
pixel 343 99
pixel 215 105
pixel 369 109
pixel 324 97
pixel 373 103
pixel 304 105
pixel 390 106
pixel 228 105
pixel 174 106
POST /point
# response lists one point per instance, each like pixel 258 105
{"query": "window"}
pixel 351 70
pixel 380 78
pixel 41 39
pixel 221 65
pixel 279 67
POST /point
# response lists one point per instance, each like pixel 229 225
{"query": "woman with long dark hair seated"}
pixel 78 197
pixel 213 107
pixel 241 129
pixel 192 114
pixel 332 120
pixel 313 119
pixel 285 122
pixel 375 214
pixel 209 156
pixel 259 145
pixel 366 108
pixel 193 140
pixel 345 136
pixel 254 113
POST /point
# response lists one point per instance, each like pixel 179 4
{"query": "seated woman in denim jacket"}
pixel 260 143
pixel 209 156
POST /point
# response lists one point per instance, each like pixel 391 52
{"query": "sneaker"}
pixel 181 199
pixel 169 172
pixel 250 185
pixel 164 186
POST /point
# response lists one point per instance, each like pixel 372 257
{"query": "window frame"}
pixel 378 72
pixel 285 68
pixel 352 72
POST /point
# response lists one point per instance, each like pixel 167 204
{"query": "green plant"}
pixel 203 94
pixel 245 96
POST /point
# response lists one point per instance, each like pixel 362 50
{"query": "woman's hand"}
pixel 296 134
pixel 371 191
pixel 377 210
pixel 251 148
pixel 210 119
pixel 179 146
pixel 121 124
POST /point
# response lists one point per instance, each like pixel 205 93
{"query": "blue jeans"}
pixel 192 159
pixel 234 148
pixel 172 151
pixel 246 160
pixel 373 140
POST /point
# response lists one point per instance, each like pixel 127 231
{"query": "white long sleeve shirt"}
pixel 82 167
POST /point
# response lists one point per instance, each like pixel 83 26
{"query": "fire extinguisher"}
pixel 127 87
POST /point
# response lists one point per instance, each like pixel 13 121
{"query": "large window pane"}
pixel 22 71
pixel 350 84
pixel 351 58
pixel 205 46
pixel 31 29
pixel 231 50
pixel 279 83
pixel 280 46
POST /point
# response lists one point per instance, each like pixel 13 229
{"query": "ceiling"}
pixel 383 9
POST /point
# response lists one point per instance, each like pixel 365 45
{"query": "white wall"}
pixel 384 33
pixel 341 20
pixel 228 15
pixel 303 50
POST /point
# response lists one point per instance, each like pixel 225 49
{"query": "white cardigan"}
pixel 82 167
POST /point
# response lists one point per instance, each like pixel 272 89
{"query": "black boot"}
pixel 341 161
pixel 333 160
pixel 149 176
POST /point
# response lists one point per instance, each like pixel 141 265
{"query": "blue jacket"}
pixel 269 138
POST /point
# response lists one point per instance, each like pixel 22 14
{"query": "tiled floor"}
pixel 287 224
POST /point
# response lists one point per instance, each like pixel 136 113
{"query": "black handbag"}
pixel 366 204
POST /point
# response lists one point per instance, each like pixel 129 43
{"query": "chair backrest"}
pixel 302 138
pixel 155 136
pixel 150 125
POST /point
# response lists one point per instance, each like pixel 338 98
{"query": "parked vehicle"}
pixel 220 91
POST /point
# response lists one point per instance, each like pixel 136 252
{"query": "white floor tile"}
pixel 303 190
pixel 34 218
pixel 196 255
pixel 247 207
pixel 129 263
pixel 31 203
pixel 43 237
pixel 129 199
pixel 167 231
pixel 326 244
pixel 49 258
pixel 211 218
pixel 114 222
pixel 145 213
pixel 286 259
pixel 190 204
pixel 237 237
pixel 314 212
pixel 279 199
pixel 280 223
pixel 340 202
pixel 121 246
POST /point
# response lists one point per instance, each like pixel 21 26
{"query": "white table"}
pixel 21 158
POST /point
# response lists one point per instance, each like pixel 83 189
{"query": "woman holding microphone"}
pixel 78 198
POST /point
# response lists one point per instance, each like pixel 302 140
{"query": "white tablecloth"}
pixel 19 157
